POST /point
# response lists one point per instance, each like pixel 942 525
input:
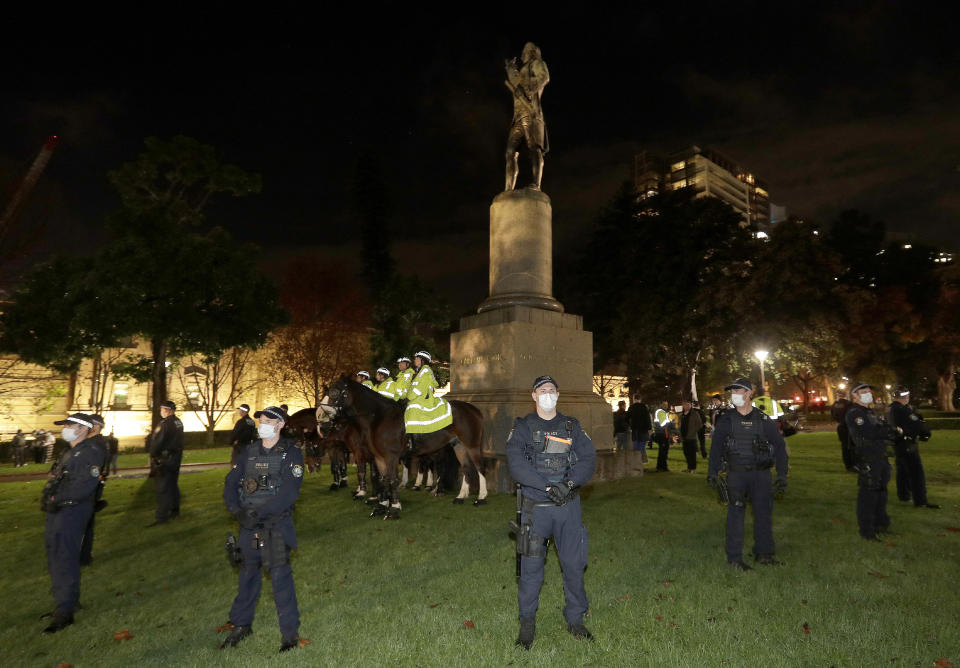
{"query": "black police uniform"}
pixel 870 436
pixel 535 468
pixel 103 448
pixel 749 445
pixel 244 433
pixel 166 449
pixel 75 478
pixel 260 491
pixel 839 413
pixel 911 481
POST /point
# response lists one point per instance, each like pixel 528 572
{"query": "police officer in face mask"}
pixel 68 500
pixel 911 481
pixel 166 452
pixel 746 445
pixel 870 435
pixel 550 456
pixel 260 492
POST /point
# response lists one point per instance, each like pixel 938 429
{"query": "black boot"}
pixel 289 642
pixel 528 628
pixel 767 560
pixel 740 566
pixel 236 635
pixel 579 631
pixel 60 622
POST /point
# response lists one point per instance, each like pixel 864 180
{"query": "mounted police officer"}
pixel 870 435
pixel 550 456
pixel 404 379
pixel 385 385
pixel 746 444
pixel 363 378
pixel 260 491
pixel 244 432
pixel 911 481
pixel 68 500
pixel 97 441
pixel 166 452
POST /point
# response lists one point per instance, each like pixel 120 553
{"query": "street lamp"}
pixel 761 355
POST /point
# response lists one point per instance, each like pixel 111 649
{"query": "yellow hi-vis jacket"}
pixel 426 413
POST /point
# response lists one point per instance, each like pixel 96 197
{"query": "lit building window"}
pixel 677 165
pixel 121 396
pixel 761 192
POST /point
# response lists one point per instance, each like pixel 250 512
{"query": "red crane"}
pixel 29 181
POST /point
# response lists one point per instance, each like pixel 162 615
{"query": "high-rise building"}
pixel 711 173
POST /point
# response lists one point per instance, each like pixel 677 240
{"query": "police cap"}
pixel 77 418
pixel 273 412
pixel 901 391
pixel 168 404
pixel 543 380
pixel 244 407
pixel 739 384
pixel 861 386
pixel 98 420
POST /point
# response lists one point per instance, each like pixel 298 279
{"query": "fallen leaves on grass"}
pixel 122 635
pixel 889 544
pixel 942 663
pixel 409 540
pixel 65 665
pixel 877 574
pixel 470 625
pixel 434 605
pixel 806 628
pixel 225 627
pixel 953 529
pixel 340 581
pixel 663 532
pixel 623 598
pixel 837 520
pixel 303 642
pixel 659 618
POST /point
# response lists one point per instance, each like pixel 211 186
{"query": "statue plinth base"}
pixel 494 359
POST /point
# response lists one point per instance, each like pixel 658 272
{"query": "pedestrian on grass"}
pixel 690 424
pixel 746 444
pixel 640 426
pixel 244 432
pixel 113 445
pixel 166 453
pixel 260 492
pixel 661 435
pixel 911 481
pixel 870 435
pixel 551 457
pixel 19 449
pixel 49 444
pixel 68 500
pixel 621 427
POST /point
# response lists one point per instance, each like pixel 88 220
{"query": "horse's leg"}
pixel 461 452
pixel 361 480
pixel 384 487
pixel 418 485
pixel 393 484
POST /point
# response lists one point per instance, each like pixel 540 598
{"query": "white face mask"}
pixel 737 400
pixel 266 431
pixel 866 397
pixel 547 402
pixel 69 434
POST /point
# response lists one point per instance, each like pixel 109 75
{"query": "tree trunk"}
pixel 95 381
pixel 158 348
pixel 208 439
pixel 946 386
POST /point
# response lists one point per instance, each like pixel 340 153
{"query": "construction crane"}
pixel 29 181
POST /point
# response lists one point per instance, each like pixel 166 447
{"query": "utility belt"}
pixel 530 544
pixel 742 468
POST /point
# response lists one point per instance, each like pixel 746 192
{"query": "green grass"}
pixel 381 593
pixel 130 460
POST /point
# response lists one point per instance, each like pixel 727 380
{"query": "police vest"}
pixel 747 446
pixel 261 479
pixel 553 455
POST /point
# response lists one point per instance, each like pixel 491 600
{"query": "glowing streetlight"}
pixel 761 355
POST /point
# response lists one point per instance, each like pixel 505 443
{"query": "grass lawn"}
pixel 130 460
pixel 375 593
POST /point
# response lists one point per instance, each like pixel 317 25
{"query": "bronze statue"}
pixel 526 80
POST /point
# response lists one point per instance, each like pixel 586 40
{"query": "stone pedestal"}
pixel 521 332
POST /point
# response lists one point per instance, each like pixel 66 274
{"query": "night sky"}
pixel 849 106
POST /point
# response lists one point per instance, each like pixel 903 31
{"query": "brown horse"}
pixel 380 424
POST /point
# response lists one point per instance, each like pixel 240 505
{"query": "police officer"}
pixel 839 413
pixel 550 456
pixel 244 432
pixel 97 441
pixel 911 481
pixel 385 385
pixel 260 491
pixel 870 435
pixel 166 451
pixel 68 500
pixel 404 378
pixel 747 443
pixel 363 378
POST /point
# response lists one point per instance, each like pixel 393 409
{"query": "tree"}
pixel 161 277
pixel 212 385
pixel 329 329
pixel 658 283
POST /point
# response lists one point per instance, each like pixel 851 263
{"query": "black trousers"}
pixel 872 500
pixel 911 480
pixel 663 449
pixel 756 488
pixel 167 488
pixel 690 452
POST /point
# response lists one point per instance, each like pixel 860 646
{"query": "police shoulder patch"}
pixel 297 471
pixel 913 416
pixel 95 471
pixel 859 420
